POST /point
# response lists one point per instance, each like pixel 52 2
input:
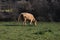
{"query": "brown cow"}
pixel 26 17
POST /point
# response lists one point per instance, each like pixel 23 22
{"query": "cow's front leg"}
pixel 31 22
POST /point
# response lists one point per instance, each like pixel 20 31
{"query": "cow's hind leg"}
pixel 24 23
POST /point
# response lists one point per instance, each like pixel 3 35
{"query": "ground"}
pixel 43 31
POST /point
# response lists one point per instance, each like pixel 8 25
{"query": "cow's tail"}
pixel 19 17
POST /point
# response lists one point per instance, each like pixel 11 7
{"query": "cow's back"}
pixel 28 15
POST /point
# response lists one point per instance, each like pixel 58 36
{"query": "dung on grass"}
pixel 42 32
pixel 39 33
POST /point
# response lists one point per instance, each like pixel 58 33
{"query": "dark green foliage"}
pixel 43 10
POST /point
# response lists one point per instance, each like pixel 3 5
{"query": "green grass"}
pixel 43 31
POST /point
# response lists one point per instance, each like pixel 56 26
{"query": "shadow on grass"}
pixel 16 25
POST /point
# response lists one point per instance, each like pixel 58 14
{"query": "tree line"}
pixel 43 10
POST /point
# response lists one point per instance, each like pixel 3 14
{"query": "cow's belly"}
pixel 29 18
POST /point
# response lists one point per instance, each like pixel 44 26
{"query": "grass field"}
pixel 43 31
